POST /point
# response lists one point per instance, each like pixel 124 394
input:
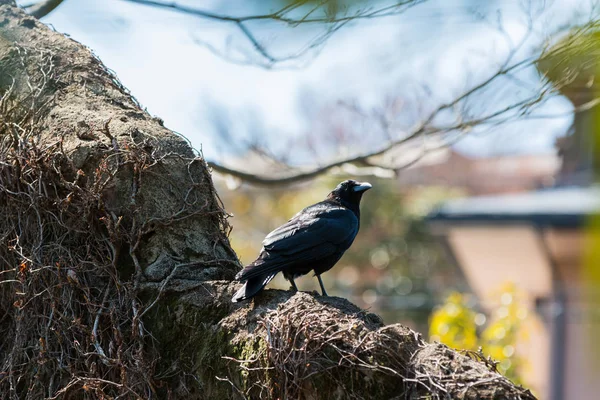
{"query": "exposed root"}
pixel 326 348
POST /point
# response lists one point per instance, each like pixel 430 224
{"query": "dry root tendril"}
pixel 70 317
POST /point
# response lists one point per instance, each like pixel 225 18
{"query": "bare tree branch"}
pixel 333 23
pixel 280 15
pixel 463 123
pixel 43 8
pixel 297 13
pixel 424 128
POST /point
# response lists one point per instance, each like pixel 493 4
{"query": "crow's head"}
pixel 349 192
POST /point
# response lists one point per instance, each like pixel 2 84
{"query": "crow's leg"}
pixel 323 292
pixel 291 278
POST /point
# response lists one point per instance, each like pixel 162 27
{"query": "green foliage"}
pixel 591 259
pixel 456 324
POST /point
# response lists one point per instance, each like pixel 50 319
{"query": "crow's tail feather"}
pixel 262 268
pixel 252 287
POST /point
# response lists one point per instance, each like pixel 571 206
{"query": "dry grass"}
pixel 327 348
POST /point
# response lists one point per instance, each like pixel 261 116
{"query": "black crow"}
pixel 313 240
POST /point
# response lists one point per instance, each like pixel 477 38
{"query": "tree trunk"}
pixel 117 273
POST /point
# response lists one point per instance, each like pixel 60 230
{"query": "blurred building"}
pixel 540 239
pixel 535 240
pixel 499 174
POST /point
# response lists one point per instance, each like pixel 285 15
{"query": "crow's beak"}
pixel 361 187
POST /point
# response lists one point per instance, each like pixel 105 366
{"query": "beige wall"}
pixel 490 256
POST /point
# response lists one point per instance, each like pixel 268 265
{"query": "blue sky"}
pixel 441 45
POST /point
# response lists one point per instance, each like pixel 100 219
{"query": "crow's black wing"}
pixel 316 232
pixel 316 225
